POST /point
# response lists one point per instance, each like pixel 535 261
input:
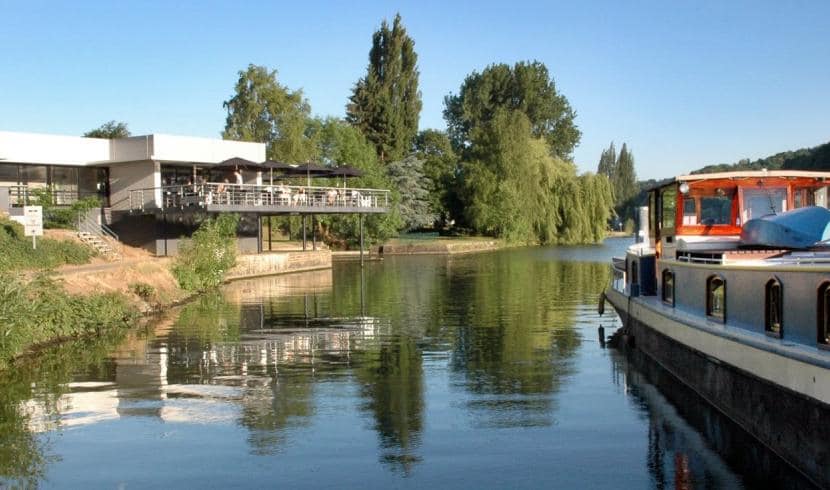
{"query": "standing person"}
pixel 238 175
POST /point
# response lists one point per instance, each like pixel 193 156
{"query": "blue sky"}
pixel 683 83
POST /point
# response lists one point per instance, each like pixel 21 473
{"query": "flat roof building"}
pixel 157 188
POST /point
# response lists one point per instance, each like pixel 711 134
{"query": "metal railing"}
pixel 253 196
pixel 23 195
pixel 89 224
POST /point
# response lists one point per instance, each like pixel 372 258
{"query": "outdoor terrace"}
pixel 250 198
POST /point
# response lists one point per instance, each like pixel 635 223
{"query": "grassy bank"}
pixel 17 253
pixel 40 311
pixel 34 308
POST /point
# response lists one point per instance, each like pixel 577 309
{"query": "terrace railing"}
pixel 23 195
pixel 252 197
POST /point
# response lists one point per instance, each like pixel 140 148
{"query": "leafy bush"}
pixel 203 263
pixel 61 216
pixel 143 290
pixel 41 310
pixel 18 254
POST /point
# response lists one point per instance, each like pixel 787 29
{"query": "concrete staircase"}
pixel 99 236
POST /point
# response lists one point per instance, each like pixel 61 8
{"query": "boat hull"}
pixel 791 424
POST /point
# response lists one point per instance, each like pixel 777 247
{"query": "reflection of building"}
pixel 229 375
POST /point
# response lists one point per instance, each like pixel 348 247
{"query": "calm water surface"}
pixel 473 371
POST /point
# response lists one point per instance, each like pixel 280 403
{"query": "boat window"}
pixel 668 202
pixel 823 315
pixel 716 298
pixel 668 287
pixel 773 305
pixel 763 201
pixel 820 197
pixel 716 210
pixel 803 197
pixel 689 211
pixel 652 214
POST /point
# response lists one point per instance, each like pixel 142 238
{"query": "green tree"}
pixel 608 162
pixel 441 169
pixel 386 103
pixel 109 130
pixel 264 111
pixel 515 189
pixel 408 177
pixel 342 144
pixel 203 263
pixel 624 181
pixel 526 87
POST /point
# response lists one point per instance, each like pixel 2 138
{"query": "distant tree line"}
pixel 816 158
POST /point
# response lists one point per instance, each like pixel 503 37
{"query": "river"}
pixel 473 371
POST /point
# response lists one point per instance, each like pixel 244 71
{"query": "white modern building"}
pixel 157 188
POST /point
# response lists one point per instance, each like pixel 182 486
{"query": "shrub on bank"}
pixel 40 311
pixel 17 253
pixel 203 263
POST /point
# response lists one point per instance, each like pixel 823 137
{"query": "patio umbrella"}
pixel 239 163
pixel 346 171
pixel 309 169
pixel 275 165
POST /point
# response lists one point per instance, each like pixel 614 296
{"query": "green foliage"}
pixel 386 104
pixel 620 171
pixel 264 111
pixel 343 144
pixel 143 290
pixel 203 263
pixel 40 311
pixel 18 254
pixel 414 187
pixel 109 130
pixel 816 158
pixel 55 216
pixel 516 190
pixel 608 162
pixel 525 87
pixel 441 165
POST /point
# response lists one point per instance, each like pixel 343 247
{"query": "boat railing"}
pixel 699 258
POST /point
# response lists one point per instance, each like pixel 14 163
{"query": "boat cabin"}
pixel 707 211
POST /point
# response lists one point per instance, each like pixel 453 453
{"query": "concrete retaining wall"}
pixel 265 264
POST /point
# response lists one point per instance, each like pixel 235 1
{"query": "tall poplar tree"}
pixel 264 111
pixel 608 162
pixel 624 179
pixel 386 104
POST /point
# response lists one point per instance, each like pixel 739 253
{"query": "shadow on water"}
pixel 319 370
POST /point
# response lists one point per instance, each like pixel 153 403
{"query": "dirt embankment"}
pixel 147 282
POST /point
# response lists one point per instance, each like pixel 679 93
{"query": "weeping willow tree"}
pixel 515 189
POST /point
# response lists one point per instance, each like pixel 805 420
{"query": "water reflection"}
pixel 416 364
pixel 691 444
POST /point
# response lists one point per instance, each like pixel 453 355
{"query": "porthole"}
pixel 773 308
pixel 716 298
pixel 668 287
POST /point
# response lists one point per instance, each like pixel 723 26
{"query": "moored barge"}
pixel 728 289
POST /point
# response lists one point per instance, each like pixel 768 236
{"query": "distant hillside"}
pixel 817 158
